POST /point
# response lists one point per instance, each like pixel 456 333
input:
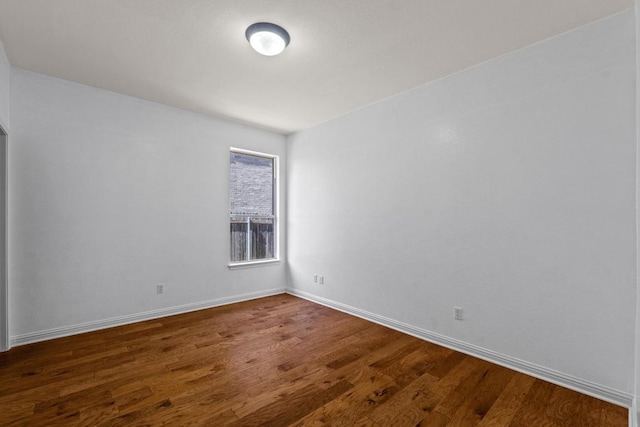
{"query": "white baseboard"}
pixel 138 317
pixel 558 378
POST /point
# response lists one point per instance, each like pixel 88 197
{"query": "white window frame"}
pixel 276 211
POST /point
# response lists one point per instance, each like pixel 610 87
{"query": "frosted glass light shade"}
pixel 267 39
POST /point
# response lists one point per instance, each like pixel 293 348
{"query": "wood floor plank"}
pixel 476 405
pixel 534 409
pixel 371 390
pixel 290 407
pixel 509 402
pixel 410 405
pixel 275 361
pixel 613 416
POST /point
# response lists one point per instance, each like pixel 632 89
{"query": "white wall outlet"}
pixel 315 278
pixel 160 288
pixel 321 279
pixel 457 313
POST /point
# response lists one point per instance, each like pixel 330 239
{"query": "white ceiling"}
pixel 344 54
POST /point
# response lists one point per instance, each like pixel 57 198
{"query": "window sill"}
pixel 250 264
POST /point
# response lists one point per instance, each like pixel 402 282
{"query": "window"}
pixel 252 201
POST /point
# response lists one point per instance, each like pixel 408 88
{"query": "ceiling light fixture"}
pixel 267 39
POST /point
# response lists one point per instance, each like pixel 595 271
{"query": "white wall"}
pixel 5 81
pixel 636 415
pixel 111 195
pixel 507 189
pixel 5 74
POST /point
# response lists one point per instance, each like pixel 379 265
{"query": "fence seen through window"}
pixel 252 207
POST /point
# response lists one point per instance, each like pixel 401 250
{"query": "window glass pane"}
pixel 238 241
pixel 251 201
pixel 251 185
pixel 262 244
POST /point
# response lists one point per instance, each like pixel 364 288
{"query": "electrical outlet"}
pixel 321 279
pixel 457 313
pixel 160 288
pixel 315 278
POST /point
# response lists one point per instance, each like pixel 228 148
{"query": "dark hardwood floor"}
pixel 276 361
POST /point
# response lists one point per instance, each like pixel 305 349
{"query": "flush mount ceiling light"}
pixel 267 39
